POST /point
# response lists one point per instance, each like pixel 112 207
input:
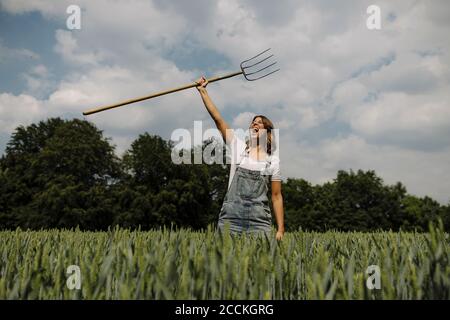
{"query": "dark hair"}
pixel 268 125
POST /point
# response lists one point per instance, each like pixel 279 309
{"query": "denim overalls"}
pixel 246 206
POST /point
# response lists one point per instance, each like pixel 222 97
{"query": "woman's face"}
pixel 256 127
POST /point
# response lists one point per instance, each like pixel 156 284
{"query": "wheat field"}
pixel 183 264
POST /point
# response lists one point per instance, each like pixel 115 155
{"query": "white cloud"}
pixel 405 118
pixel 18 110
pixel 9 54
pixel 66 46
pixel 38 81
pixel 44 6
pixel 242 120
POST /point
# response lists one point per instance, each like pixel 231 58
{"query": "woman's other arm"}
pixel 277 202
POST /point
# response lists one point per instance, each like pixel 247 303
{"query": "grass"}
pixel 183 264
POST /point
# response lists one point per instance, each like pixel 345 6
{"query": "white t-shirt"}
pixel 240 157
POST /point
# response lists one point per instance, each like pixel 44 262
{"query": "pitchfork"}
pixel 253 69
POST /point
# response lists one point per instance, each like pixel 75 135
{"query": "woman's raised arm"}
pixel 223 127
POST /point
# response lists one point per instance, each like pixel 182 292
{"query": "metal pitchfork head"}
pixel 258 66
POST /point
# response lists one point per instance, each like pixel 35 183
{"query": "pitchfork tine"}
pixel 263 75
pixel 256 56
pixel 246 68
pixel 250 73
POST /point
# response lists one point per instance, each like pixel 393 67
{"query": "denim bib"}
pixel 246 206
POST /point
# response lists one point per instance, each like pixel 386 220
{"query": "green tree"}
pixel 353 201
pixel 57 174
pixel 148 163
pixel 445 215
pixel 417 213
pixel 165 193
pixel 64 173
pixel 299 198
pixel 362 202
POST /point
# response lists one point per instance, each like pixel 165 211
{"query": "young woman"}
pixel 246 206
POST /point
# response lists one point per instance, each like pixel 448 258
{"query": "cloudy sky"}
pixel 346 97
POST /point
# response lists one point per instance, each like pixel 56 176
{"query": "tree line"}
pixel 65 174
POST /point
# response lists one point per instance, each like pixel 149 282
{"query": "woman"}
pixel 246 206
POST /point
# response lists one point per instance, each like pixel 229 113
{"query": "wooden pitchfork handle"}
pixel 88 112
